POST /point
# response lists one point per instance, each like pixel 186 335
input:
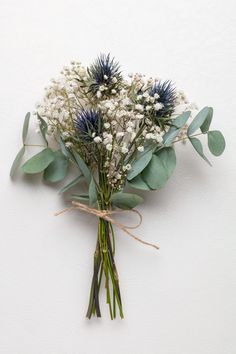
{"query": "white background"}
pixel 179 300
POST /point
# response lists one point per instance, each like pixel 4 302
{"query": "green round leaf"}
pixel 126 200
pixel 138 183
pixel 139 165
pixel 39 162
pixel 155 174
pixel 57 169
pixel 216 142
pixel 168 158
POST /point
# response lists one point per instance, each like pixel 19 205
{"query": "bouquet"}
pixel 119 133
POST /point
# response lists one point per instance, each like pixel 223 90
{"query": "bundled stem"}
pixel 104 263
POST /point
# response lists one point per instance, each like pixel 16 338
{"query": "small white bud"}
pixel 97 139
pixel 120 134
pixel 107 125
pixel 109 147
pixel 102 88
pixel 139 107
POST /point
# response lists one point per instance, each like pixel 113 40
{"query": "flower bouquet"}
pixel 118 132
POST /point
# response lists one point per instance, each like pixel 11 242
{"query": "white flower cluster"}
pixel 63 98
pixel 128 114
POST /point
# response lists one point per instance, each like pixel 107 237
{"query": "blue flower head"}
pixel 167 97
pixel 105 71
pixel 88 124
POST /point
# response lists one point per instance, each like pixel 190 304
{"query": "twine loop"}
pixel 107 215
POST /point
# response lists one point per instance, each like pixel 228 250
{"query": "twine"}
pixel 106 215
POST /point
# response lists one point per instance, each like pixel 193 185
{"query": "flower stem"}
pixel 104 265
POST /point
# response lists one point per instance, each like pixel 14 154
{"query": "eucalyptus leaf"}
pixel 155 174
pixel 198 147
pixel 58 168
pixel 175 128
pixel 39 162
pixel 65 150
pixel 206 124
pixel 126 200
pixel 43 128
pixel 138 183
pixel 181 120
pixel 17 161
pixel 168 139
pixel 25 127
pixel 199 120
pixel 81 197
pixel 73 183
pixel 139 165
pixel 82 166
pixel 92 192
pixel 216 142
pixel 168 158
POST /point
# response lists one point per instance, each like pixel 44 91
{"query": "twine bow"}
pixel 106 215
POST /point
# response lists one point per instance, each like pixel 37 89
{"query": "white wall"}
pixel 179 300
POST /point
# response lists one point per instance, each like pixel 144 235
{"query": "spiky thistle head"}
pixel 166 93
pixel 105 75
pixel 88 124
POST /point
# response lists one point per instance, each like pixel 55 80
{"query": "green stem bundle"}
pixel 104 266
pixel 104 263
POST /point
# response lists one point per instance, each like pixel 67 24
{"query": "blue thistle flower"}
pixel 167 96
pixel 87 123
pixel 104 71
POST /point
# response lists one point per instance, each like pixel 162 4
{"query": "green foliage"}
pixel 216 142
pixel 43 128
pixel 175 128
pixel 72 184
pixel 126 200
pixel 39 162
pixel 139 165
pixel 198 147
pixel 25 127
pixel 17 161
pixel 138 183
pixel 80 197
pixel 201 119
pixel 83 167
pixel 92 192
pixel 206 124
pixel 168 158
pixel 58 168
pixel 20 154
pixel 157 172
